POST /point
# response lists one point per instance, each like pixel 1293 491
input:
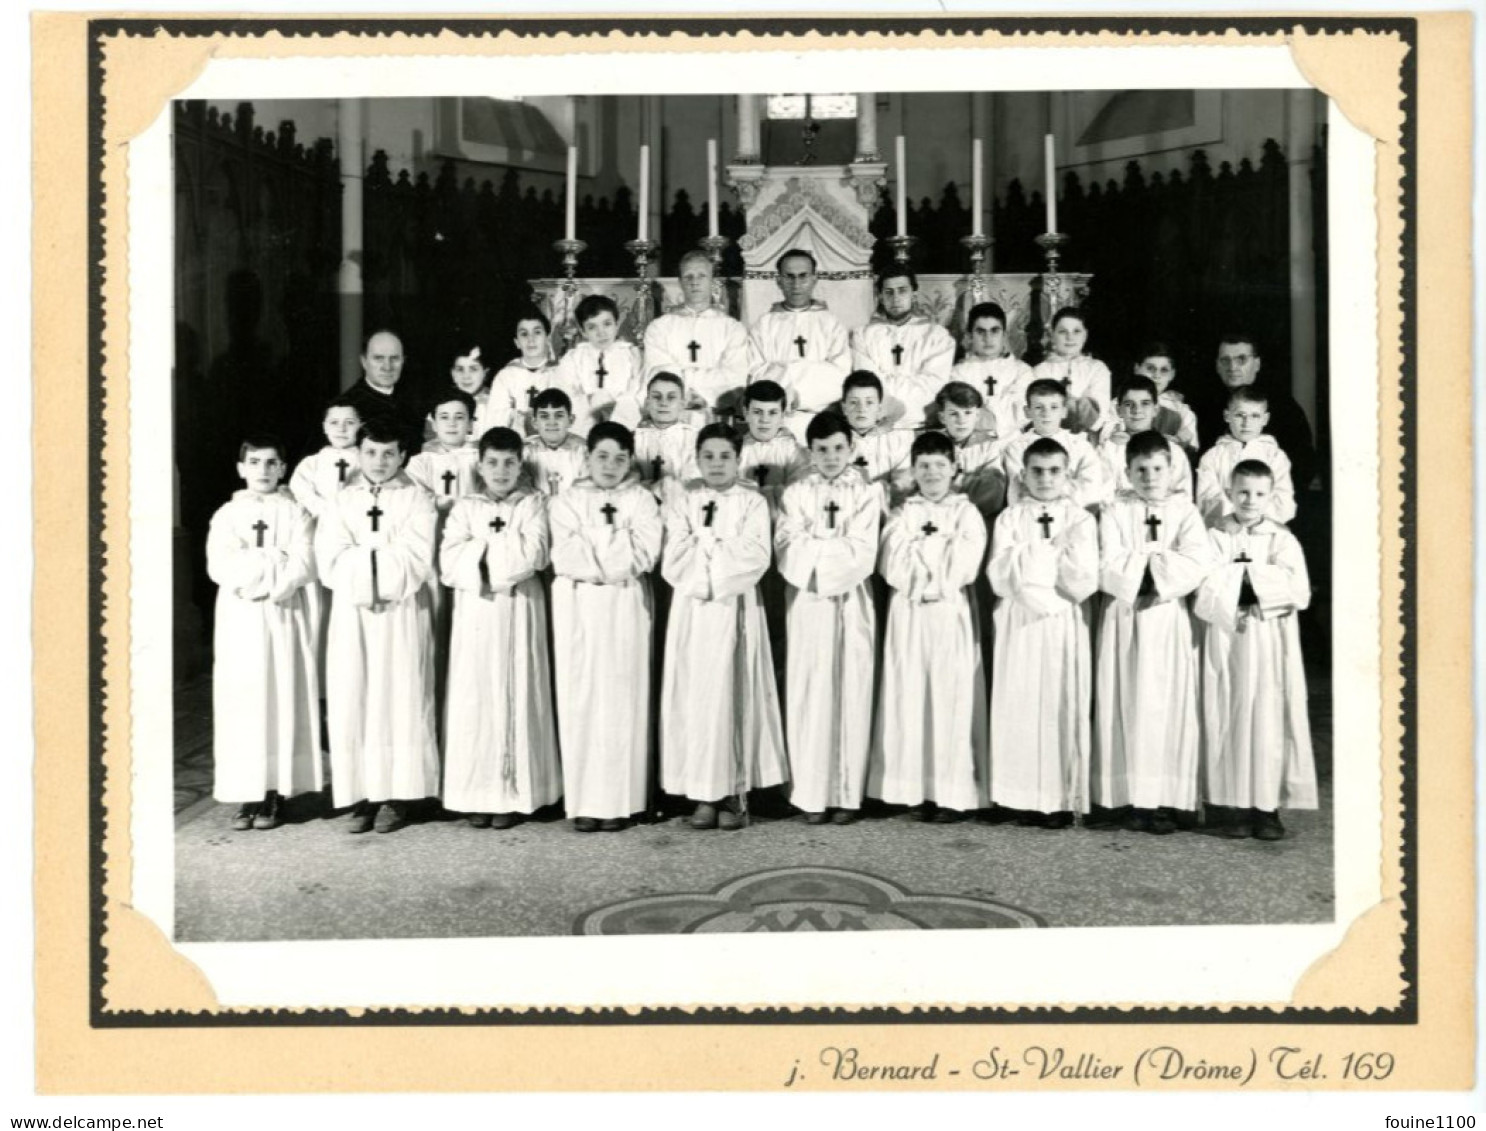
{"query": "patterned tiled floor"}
pixel 439 877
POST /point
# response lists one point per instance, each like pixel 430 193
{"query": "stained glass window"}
pixel 784 107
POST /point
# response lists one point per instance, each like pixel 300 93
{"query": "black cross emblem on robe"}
pixel 991 385
pixel 342 466
pixel 448 477
pixel 800 344
pixel 898 354
pixel 692 348
pixel 609 510
pixel 760 473
pixel 1152 524
pixel 375 514
pixel 258 528
pixel 600 372
pixel 831 508
pixel 497 524
pixel 657 465
pixel 860 461
pixel 531 397
pixel 1246 594
pixel 709 512
pixel 1045 521
pixel 930 529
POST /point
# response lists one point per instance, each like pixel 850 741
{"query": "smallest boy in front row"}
pixel 720 729
pixel 500 752
pixel 929 748
pixel 1257 734
pixel 265 686
pixel 1044 567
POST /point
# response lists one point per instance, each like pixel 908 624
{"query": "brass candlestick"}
pixel 902 247
pixel 569 250
pixel 714 246
pixel 643 251
pixel 978 246
pixel 1052 244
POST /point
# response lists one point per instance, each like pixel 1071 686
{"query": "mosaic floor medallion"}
pixel 800 899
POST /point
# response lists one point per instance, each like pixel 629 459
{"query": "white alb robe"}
pixel 515 387
pixel 554 470
pixel 1256 733
pixel 1043 574
pixel 1003 382
pixel 604 543
pixel 913 359
pixel 826 542
pixel 980 474
pixel 1146 737
pixel 319 477
pixel 265 681
pixel 612 381
pixel 1215 472
pixel 720 728
pixel 1085 378
pixel 379 655
pixel 1088 481
pixel 930 742
pixel 500 739
pixel 717 369
pixel 881 457
pixel 1185 432
pixel 445 474
pixel 666 459
pixel 808 352
pixel 773 465
pixel 1112 453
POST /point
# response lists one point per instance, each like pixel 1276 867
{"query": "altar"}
pixel 825 210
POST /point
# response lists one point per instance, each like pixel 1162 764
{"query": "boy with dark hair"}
pixel 554 458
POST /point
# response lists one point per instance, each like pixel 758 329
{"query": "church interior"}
pixel 301 226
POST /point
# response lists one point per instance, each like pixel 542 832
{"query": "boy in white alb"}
pixel 606 538
pixel 1153 552
pixel 1247 415
pixel 665 446
pixel 554 458
pixel 265 681
pixel 1137 408
pixel 911 353
pixel 978 466
pixel 1044 567
pixel 929 745
pixel 771 458
pixel 513 391
pixel 801 345
pixel 990 368
pixel 1174 417
pixel 1047 404
pixel 500 741
pixel 607 371
pixel 1256 732
pixel 826 542
pixel 317 478
pixel 375 549
pixel 720 729
pixel 704 346
pixel 1085 379
pixel 879 453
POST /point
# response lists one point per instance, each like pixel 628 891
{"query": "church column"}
pixel 351 149
pixel 748 128
pixel 982 126
pixel 867 127
pixel 1300 139
pixel 652 134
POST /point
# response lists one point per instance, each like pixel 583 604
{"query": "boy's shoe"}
pixel 1163 822
pixel 994 815
pixel 1029 819
pixel 1137 821
pixel 585 825
pixel 1267 825
pixel 729 819
pixel 614 824
pixel 704 816
pixel 844 816
pixel 1059 820
pixel 1239 824
pixel 817 818
pixel 504 820
pixel 362 818
pixel 243 820
pixel 393 816
pixel 919 812
pixel 268 813
pixel 478 820
pixel 943 816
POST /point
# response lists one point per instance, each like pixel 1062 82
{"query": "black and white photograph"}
pixel 661 515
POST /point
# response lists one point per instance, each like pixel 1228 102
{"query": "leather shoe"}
pixel 242 821
pixel 844 816
pixel 1267 825
pixel 944 816
pixel 729 816
pixel 614 824
pixel 362 818
pixel 504 820
pixel 704 816
pixel 1162 822
pixel 393 816
pixel 1137 821
pixel 478 820
pixel 817 818
pixel 268 813
pixel 585 825
pixel 1059 820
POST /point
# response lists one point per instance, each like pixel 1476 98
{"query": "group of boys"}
pixel 427 588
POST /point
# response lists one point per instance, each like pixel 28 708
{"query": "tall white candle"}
pixel 1051 192
pixel 712 186
pixel 976 189
pixel 571 218
pixel 644 192
pixel 902 195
